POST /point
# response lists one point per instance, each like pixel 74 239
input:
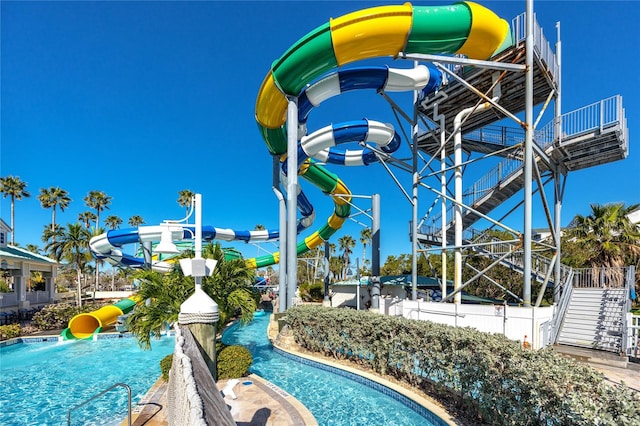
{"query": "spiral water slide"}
pixel 311 71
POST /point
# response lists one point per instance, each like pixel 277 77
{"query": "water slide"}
pixel 311 70
pixel 85 325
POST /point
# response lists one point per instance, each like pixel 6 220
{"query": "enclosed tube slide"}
pixel 308 71
pixel 85 325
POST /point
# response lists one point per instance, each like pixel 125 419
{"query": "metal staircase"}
pixel 589 136
pixel 541 265
pixel 595 319
pixel 592 135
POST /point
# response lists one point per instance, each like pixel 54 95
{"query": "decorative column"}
pixel 200 313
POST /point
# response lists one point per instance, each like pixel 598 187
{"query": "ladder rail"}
pixel 96 396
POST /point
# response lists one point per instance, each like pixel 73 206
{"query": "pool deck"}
pixel 257 403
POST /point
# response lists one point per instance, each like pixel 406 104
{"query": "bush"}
pixel 165 366
pixel 10 331
pixel 233 362
pixel 312 292
pixel 493 380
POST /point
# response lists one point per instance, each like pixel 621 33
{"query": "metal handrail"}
pixel 99 395
pixel 563 304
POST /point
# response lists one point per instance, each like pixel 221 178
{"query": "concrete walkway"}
pixel 616 369
pixel 257 403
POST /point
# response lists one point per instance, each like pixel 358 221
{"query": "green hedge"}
pixel 10 331
pixel 494 380
pixel 165 366
pixel 233 362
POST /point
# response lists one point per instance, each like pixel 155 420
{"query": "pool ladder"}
pixel 98 396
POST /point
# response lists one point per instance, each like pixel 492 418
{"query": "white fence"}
pixel 34 297
pixel 512 321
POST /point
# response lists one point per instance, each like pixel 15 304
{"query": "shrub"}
pixel 491 377
pixel 313 292
pixel 233 362
pixel 165 366
pixel 10 331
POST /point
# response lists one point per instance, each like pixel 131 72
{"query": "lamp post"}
pixel 199 312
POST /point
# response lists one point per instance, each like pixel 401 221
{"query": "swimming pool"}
pixel 332 398
pixel 41 381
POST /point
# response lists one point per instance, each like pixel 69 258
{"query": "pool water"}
pixel 331 398
pixel 40 382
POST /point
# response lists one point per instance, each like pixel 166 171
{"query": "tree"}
pixel 100 201
pixel 365 240
pixel 230 287
pixel 33 248
pixel 52 198
pixel 72 246
pixel 16 189
pixel 347 243
pixel 606 237
pixel 86 218
pixel 399 265
pixel 113 222
pixel 51 234
pixel 135 221
pixel 185 198
pixel 229 277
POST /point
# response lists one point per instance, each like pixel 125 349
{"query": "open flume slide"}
pixel 308 71
pixel 85 325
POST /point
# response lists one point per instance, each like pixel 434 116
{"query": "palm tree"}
pixel 230 286
pixel 113 222
pixel 365 240
pixel 16 189
pixel 135 221
pixel 347 243
pixel 49 234
pixel 86 218
pixel 52 198
pixel 97 200
pixel 606 237
pixel 72 246
pixel 185 198
pixel 231 277
pixel 100 201
pixel 33 248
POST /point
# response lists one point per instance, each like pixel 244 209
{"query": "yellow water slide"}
pixel 85 325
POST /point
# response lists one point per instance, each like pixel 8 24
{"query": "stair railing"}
pixel 561 310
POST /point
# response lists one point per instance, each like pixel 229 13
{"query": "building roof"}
pixel 22 254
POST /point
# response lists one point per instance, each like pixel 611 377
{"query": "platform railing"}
pixel 598 115
pixel 541 46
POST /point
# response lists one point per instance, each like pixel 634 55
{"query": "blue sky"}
pixel 143 99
